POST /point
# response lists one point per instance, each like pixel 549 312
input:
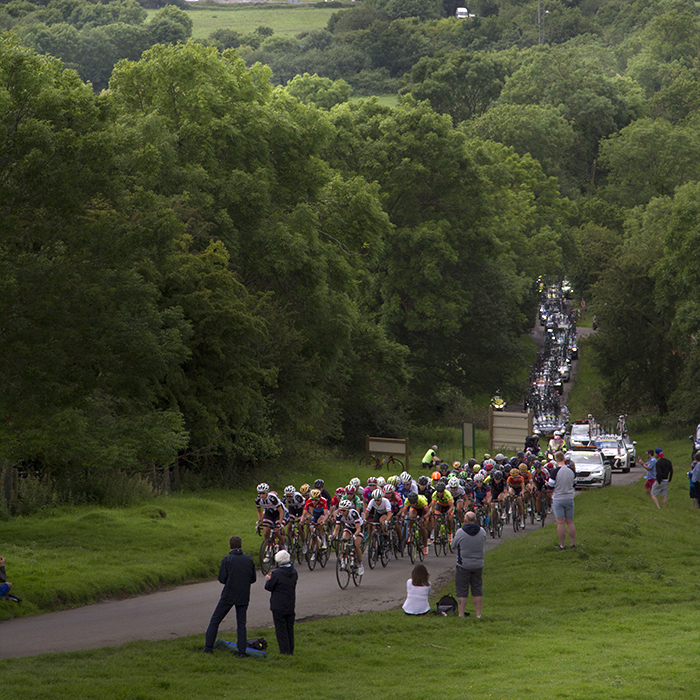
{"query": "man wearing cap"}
pixel 282 583
pixel 664 474
pixel 237 573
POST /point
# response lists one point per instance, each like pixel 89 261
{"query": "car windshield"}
pixel 580 431
pixel 607 444
pixel 588 459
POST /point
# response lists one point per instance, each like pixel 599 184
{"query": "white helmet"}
pixel 377 495
pixel 453 483
pixel 289 490
pixel 405 478
pixel 381 481
pixel 263 488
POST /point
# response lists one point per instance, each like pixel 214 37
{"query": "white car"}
pixel 591 469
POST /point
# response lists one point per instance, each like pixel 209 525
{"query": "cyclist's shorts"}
pixel 270 522
pixel 292 517
pixel 442 509
pixel 420 512
pixel 349 527
pixel 517 490
pixel 479 499
pixel 315 515
pixel 376 515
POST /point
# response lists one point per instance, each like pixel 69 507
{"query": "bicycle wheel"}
pixel 515 516
pixel 384 549
pixel 410 547
pixel 342 571
pixel 418 541
pixel 311 550
pixel 324 554
pixel 532 511
pixel 266 556
pixel 354 569
pixel 397 464
pixel 373 550
pixel 437 541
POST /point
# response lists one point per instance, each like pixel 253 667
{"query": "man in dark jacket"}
pixel 237 573
pixel 664 474
pixel 469 543
pixel 282 584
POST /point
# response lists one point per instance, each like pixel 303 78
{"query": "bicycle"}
pixel 297 549
pixel 378 462
pixel 544 506
pixel 496 520
pixel 315 550
pixel 515 514
pixel 442 540
pixel 346 565
pixel 268 548
pixel 378 549
pixel 414 540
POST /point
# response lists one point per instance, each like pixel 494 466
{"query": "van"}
pixel 462 13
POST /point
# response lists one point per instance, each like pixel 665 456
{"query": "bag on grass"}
pixel 446 605
pixel 260 644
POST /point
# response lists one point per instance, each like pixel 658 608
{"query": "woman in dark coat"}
pixel 282 583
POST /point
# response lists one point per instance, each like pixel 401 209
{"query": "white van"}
pixel 462 13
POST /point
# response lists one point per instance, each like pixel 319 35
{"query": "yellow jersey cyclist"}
pixel 443 503
pixel 418 507
pixel 349 519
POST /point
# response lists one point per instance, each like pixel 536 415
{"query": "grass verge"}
pixel 616 618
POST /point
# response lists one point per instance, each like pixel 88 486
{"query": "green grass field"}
pixel 285 20
pixel 616 619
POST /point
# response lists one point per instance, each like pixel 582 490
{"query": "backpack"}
pixel 446 605
pixel 260 644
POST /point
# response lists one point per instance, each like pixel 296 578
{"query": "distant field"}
pixel 285 20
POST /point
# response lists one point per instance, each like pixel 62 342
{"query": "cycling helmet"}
pixel 463 474
pixel 289 490
pixel 377 495
pixel 471 462
pixel 453 483
pixel 498 475
pixel 523 468
pixel 355 482
pixel 486 456
pixel 345 504
pixel 381 481
pixel 469 484
pixel 479 478
pixel 304 489
pixel 489 464
pixel 388 488
pixel 406 478
pixel 315 494
pixel 412 498
pixel 500 457
pixel 263 488
pixel 350 490
pixel 537 464
pixel 456 465
pixel 393 480
pixel 514 472
pixel 372 481
pixel 435 476
pixel 319 483
pixel 440 486
pixel 340 491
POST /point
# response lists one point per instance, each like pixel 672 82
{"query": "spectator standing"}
pixel 282 584
pixel 695 479
pixel 469 543
pixel 664 474
pixel 237 573
pixel 562 479
pixel 650 475
pixel 417 592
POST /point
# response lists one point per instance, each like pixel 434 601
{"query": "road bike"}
pixel 378 548
pixel 441 542
pixel 269 547
pixel 316 547
pixel 296 543
pixel 347 566
pixel 391 462
pixel 497 518
pixel 414 540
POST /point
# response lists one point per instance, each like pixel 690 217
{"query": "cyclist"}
pixel 435 476
pixel 557 442
pixel 335 501
pixel 354 497
pixel 408 484
pixel 417 506
pixel 369 489
pixel 527 480
pixel 459 497
pixel 378 509
pixel 270 512
pixel 396 506
pixel 443 503
pixel 320 485
pixel 316 511
pixel 497 485
pixel 349 518
pixel 482 493
pixel 293 503
pixel 516 486
pixel 540 477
